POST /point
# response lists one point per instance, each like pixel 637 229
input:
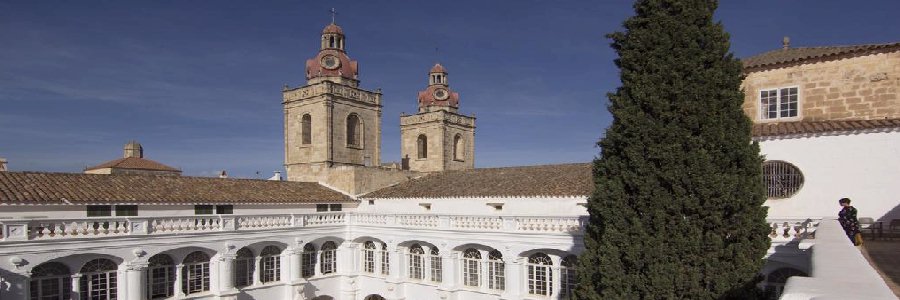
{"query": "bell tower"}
pixel 438 137
pixel 330 122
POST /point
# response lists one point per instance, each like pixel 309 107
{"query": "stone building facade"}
pixel 438 138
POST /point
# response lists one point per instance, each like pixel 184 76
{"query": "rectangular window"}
pixel 203 209
pixel 779 103
pixel 99 211
pixel 224 209
pixel 321 207
pixel 335 207
pixel 126 210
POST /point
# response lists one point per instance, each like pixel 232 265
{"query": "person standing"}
pixel 847 217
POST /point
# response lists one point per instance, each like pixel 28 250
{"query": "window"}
pixel 308 261
pixel 540 277
pixel 321 207
pixel 335 207
pixel 126 210
pixel 99 211
pixel 327 258
pixel 567 276
pixel 778 103
pixel 195 273
pixel 354 131
pixel 369 257
pixel 244 264
pixel 224 209
pixel 160 277
pixel 437 266
pixel 496 271
pixel 51 281
pixel 98 280
pixel 329 207
pixel 422 146
pixel 385 260
pixel 416 261
pixel 782 179
pixel 459 148
pixel 775 280
pixel 471 267
pixel 203 209
pixel 270 264
pixel 306 129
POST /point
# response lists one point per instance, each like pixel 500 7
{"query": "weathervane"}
pixel 333 13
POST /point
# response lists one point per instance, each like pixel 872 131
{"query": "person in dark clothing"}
pixel 847 217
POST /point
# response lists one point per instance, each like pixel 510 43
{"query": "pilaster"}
pixel 135 279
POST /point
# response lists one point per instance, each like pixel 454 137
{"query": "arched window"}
pixel 459 148
pixel 327 258
pixel 422 146
pixel 385 260
pixel 195 273
pixel 567 276
pixel 306 129
pixel 98 279
pixel 782 179
pixel 354 131
pixel 775 281
pixel 244 264
pixel 471 267
pixel 540 277
pixel 416 261
pixel 437 266
pixel 496 271
pixel 270 264
pixel 374 297
pixel 308 261
pixel 160 277
pixel 369 257
pixel 51 281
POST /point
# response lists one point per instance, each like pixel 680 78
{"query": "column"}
pixel 22 284
pixel 179 278
pixel 76 286
pixel 226 273
pixel 346 258
pixel 294 258
pixel 556 280
pixel 514 278
pixel 450 275
pixel 396 261
pixel 134 280
pixel 257 270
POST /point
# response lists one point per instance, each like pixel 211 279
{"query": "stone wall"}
pixel 440 127
pixel 854 88
pixel 349 179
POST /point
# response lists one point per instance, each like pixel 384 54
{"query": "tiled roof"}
pixel 134 163
pixel 801 127
pixel 546 180
pixel 779 57
pixel 60 188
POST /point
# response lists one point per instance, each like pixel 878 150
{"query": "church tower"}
pixel 330 122
pixel 438 137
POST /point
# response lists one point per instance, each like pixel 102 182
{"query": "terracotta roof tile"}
pixel 781 57
pixel 59 188
pixel 134 163
pixel 801 127
pixel 545 180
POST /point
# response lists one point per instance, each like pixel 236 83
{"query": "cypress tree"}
pixel 677 211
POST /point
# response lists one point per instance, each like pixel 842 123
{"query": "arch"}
pixel 306 129
pixel 459 152
pixel 308 261
pixel 782 179
pixel 416 262
pixel 540 275
pixel 775 280
pixel 567 275
pixel 327 258
pixel 98 279
pixel 244 265
pixel 354 131
pixel 51 280
pixel 323 297
pixel 374 297
pixel 422 146
pixel 496 271
pixel 160 277
pixel 195 273
pixel 471 267
pixel 270 264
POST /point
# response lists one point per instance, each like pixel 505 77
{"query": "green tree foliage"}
pixel 677 212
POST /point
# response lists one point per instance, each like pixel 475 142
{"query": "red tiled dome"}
pixel 333 28
pixel 438 68
pixel 348 68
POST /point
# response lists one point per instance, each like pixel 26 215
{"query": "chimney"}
pixel 134 149
pixel 786 42
pixel 276 177
pixel 223 174
pixel 2 164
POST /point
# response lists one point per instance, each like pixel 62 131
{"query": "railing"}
pixel 792 229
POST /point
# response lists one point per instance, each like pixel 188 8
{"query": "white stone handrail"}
pixel 77 228
pixel 185 224
pixel 251 222
pixel 839 271
pixel 792 229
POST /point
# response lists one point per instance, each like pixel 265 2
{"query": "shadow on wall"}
pixel 12 285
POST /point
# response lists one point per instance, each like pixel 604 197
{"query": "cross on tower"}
pixel 333 13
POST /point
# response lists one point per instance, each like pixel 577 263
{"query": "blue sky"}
pixel 198 83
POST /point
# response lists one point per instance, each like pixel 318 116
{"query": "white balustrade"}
pixel 371 219
pixel 428 221
pixel 325 219
pixel 476 222
pixel 185 224
pixel 264 221
pixel 787 230
pixel 55 229
pixel 549 224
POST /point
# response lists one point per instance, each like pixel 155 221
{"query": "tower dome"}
pixel 333 28
pixel 438 94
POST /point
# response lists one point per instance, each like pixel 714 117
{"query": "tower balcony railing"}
pixel 783 230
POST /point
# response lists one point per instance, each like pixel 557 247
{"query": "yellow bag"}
pixel 857 239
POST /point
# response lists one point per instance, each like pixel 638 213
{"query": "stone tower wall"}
pixel 439 127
